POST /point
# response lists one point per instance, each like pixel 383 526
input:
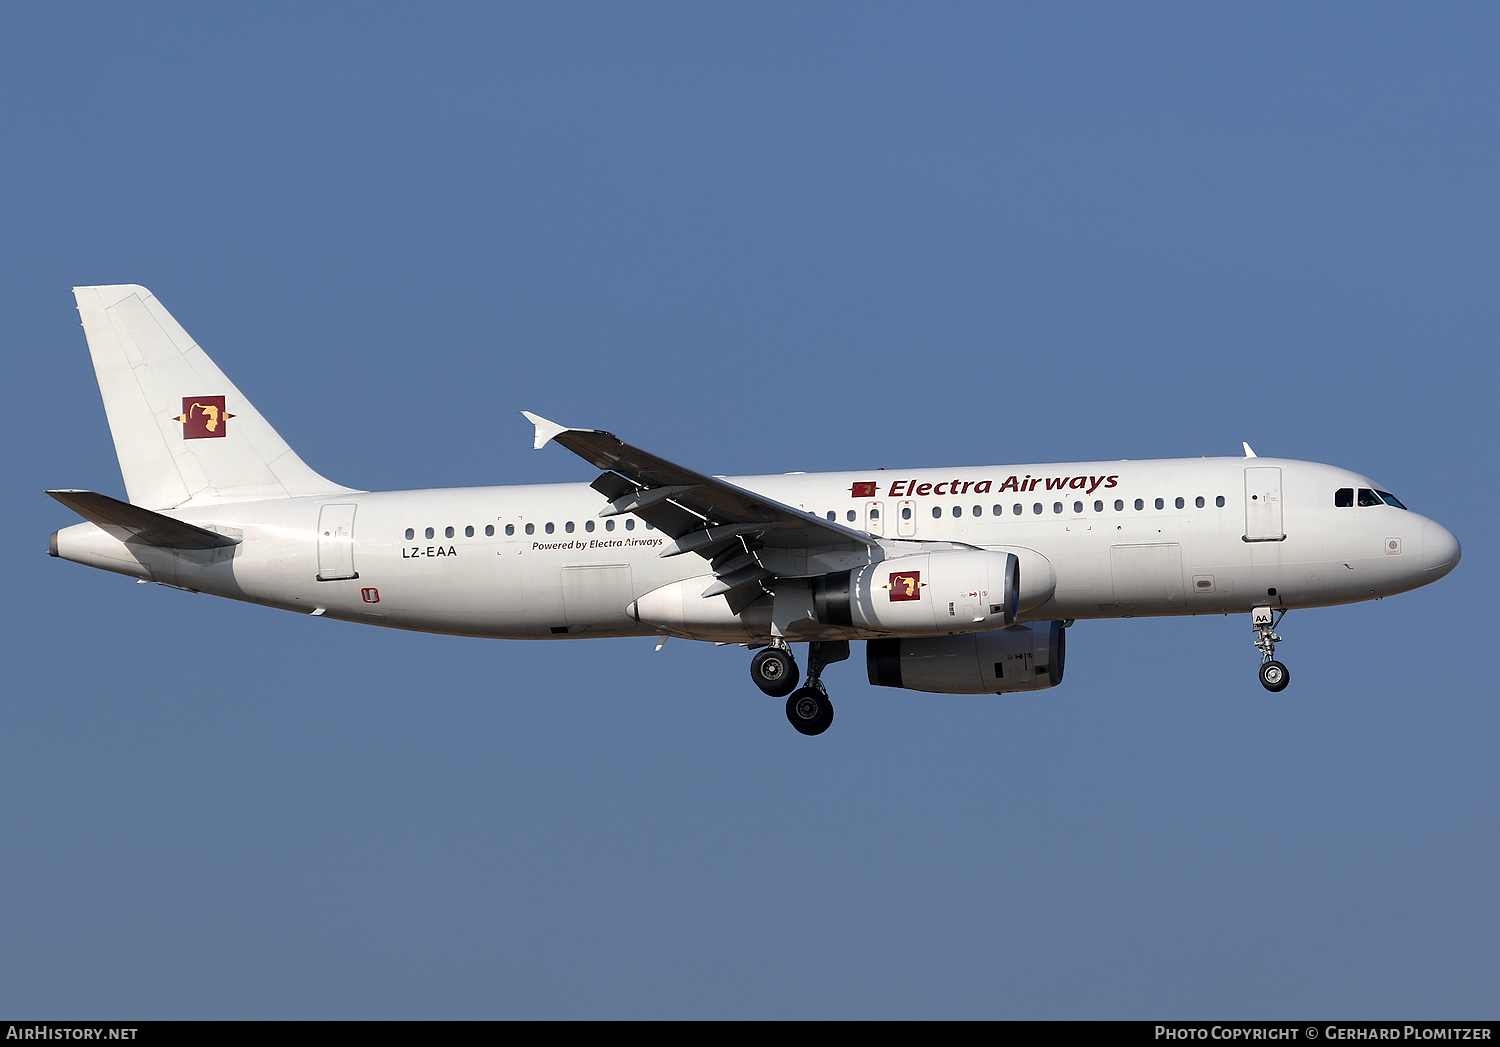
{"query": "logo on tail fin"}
pixel 203 417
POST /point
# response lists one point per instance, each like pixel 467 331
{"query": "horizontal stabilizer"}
pixel 132 523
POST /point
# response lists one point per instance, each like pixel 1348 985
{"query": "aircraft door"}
pixel 906 518
pixel 1148 574
pixel 596 594
pixel 875 517
pixel 336 543
pixel 1263 505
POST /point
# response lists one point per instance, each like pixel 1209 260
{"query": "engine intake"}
pixel 1021 658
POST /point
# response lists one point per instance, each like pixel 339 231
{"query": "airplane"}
pixel 959 581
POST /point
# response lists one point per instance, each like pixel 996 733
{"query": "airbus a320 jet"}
pixel 959 581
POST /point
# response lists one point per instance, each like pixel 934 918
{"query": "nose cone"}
pixel 1440 551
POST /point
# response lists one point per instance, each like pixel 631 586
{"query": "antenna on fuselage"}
pixel 1248 453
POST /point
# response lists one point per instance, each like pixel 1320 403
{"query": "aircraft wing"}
pixel 748 537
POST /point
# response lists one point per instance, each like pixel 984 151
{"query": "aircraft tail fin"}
pixel 183 433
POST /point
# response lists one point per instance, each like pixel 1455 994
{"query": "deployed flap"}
pixel 694 500
pixel 750 539
pixel 131 523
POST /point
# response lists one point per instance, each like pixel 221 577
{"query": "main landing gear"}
pixel 1273 675
pixel 774 671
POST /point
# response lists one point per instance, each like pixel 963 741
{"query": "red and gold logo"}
pixel 862 489
pixel 905 585
pixel 203 417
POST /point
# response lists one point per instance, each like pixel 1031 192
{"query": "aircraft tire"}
pixel 775 671
pixel 1274 677
pixel 809 710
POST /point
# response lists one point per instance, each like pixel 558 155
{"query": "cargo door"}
pixel 1148 574
pixel 1263 505
pixel 596 595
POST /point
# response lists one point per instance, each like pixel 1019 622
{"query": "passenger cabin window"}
pixel 905 512
pixel 1368 497
pixel 568 527
pixel 1160 504
pixel 978 510
pixel 832 515
pixel 469 531
pixel 609 525
pixel 410 534
pixel 1098 507
pixel 489 530
pixel 630 524
pixel 1036 508
pixel 447 532
pixel 937 512
pixel 1180 503
pixel 1343 498
pixel 531 528
pixel 588 525
pixel 429 532
pixel 510 529
pixel 1119 505
pixel 550 527
pixel 1139 504
pixel 958 510
pixel 1057 507
pixel 849 516
pixel 1198 501
pixel 1016 511
pixel 1219 501
pixel 998 510
pixel 1077 508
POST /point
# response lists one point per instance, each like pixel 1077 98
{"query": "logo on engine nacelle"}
pixel 905 585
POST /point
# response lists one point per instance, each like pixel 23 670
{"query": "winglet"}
pixel 1248 453
pixel 545 430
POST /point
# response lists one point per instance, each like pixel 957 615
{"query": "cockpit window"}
pixel 1390 499
pixel 1368 497
pixel 1343 498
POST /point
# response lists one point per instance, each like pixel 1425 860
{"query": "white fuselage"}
pixel 1204 540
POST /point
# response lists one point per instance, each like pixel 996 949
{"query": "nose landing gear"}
pixel 1273 675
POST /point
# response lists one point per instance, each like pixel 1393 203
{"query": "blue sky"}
pixel 754 238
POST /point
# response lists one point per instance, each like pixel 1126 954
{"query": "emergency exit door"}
pixel 336 543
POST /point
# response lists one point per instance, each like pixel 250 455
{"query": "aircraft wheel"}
pixel 1273 676
pixel 809 710
pixel 775 671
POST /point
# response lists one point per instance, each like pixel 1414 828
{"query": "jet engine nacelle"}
pixel 1021 658
pixel 949 592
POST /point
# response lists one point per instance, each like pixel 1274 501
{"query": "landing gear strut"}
pixel 1273 675
pixel 809 709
